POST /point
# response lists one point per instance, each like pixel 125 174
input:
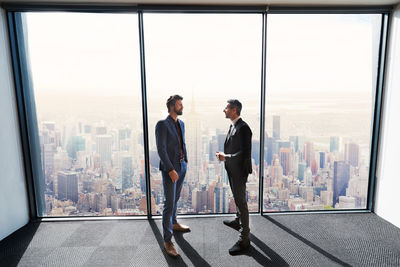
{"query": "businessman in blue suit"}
pixel 170 139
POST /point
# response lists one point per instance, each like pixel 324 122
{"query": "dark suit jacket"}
pixel 168 144
pixel 239 146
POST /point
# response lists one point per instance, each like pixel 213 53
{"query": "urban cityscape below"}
pixel 319 106
pixel 94 165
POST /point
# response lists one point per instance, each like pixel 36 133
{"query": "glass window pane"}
pixel 321 79
pixel 86 77
pixel 207 59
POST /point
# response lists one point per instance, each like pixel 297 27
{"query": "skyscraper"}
pixel 308 152
pixel 352 151
pixel 270 149
pixel 67 185
pixel 103 147
pixel 127 172
pixel 341 176
pixel 276 127
pixel 334 144
pixel 75 144
pixel 321 160
pixel 302 168
pixel 284 154
pixel 295 141
pixel 193 144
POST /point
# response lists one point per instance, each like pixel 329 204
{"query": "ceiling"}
pixel 225 2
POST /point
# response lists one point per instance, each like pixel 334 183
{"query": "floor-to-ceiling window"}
pixel 321 84
pixel 85 103
pixel 85 70
pixel 207 59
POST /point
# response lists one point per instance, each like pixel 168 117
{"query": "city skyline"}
pixel 319 104
pixel 197 187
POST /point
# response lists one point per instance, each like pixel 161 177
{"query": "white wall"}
pixel 387 201
pixel 13 197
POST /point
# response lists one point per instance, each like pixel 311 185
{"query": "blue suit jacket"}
pixel 168 146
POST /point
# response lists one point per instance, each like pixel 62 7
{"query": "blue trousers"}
pixel 172 192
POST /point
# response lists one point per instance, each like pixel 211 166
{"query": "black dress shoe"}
pixel 234 224
pixel 240 247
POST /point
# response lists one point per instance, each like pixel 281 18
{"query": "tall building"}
pixel 67 185
pixel 321 160
pixel 127 172
pixel 301 141
pixel 193 143
pixel 295 141
pixel 271 144
pixel 48 151
pixel 308 152
pixel 314 167
pixel 284 154
pixel 103 147
pixel 352 152
pixel 341 176
pixel 308 177
pixel 301 170
pixel 75 144
pixel 276 127
pixel 220 198
pixel 124 136
pixel 255 151
pixel 276 172
pixel 196 200
pixel 334 144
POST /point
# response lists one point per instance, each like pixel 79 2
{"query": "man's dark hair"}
pixel 172 100
pixel 234 103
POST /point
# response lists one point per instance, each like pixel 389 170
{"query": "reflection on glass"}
pixel 86 77
pixel 207 59
pixel 321 77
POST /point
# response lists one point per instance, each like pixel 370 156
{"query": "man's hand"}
pixel 174 176
pixel 220 156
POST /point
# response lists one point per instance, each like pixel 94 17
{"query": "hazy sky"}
pixel 212 55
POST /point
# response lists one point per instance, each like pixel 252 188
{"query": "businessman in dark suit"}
pixel 237 158
pixel 170 139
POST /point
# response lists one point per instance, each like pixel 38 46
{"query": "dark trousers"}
pixel 238 187
pixel 172 192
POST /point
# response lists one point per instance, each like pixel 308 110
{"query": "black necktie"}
pixel 230 131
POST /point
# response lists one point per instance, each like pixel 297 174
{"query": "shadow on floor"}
pixel 271 259
pixel 307 242
pixel 171 261
pixel 13 247
pixel 189 251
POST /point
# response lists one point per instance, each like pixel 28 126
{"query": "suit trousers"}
pixel 172 192
pixel 238 187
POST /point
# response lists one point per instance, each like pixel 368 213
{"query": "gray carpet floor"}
pixel 278 240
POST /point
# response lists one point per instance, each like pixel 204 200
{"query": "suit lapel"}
pixel 173 127
pixel 234 130
pixel 228 134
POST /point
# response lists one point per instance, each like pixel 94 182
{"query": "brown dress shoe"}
pixel 170 249
pixel 180 227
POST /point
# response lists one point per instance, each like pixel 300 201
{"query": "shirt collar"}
pixel 235 120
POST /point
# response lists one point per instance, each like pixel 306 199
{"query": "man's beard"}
pixel 178 112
